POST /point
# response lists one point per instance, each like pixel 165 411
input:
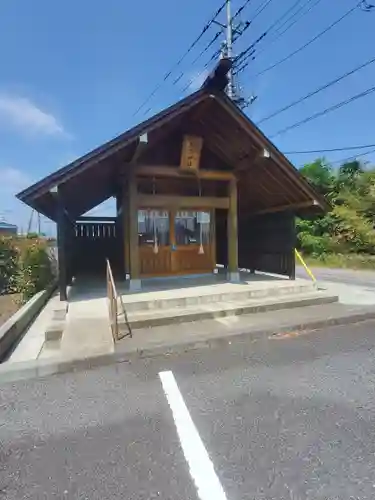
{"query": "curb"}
pixel 34 369
pixel 13 329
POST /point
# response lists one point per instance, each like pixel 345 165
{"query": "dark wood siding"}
pixel 93 243
pixel 266 243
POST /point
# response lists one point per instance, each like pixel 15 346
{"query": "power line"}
pixel 237 34
pixel 316 37
pixel 215 55
pixel 329 150
pixel 294 18
pixel 245 54
pixel 325 111
pixel 314 92
pixel 249 52
pixel 354 157
pixel 240 10
pixel 168 74
pixel 283 15
pixel 251 46
pixel 203 51
pixel 261 9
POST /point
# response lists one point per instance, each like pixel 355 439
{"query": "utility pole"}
pixel 232 32
pixel 228 48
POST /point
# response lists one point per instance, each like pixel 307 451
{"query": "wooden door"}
pixel 193 249
pixel 176 242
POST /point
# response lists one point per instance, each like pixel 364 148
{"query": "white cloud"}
pixel 13 180
pixel 26 116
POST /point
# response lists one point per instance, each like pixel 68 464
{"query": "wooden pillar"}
pixel 135 282
pixel 213 240
pixel 61 246
pixel 120 247
pixel 125 229
pixel 293 238
pixel 232 228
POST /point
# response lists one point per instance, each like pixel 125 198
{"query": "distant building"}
pixel 7 229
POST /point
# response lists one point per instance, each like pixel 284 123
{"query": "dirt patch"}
pixel 9 304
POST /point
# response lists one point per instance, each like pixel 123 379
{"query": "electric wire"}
pixel 354 157
pixel 182 58
pixel 312 40
pixel 294 18
pixel 246 53
pixel 316 91
pixel 329 150
pixel 326 111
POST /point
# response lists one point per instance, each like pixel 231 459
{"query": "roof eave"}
pixel 316 198
pixel 46 184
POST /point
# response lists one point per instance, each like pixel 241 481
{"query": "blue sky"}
pixel 73 73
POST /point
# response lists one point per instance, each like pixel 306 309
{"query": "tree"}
pixel 349 227
pixel 320 175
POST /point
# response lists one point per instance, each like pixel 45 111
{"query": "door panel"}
pixel 193 249
pixel 188 260
pixel 154 243
pixel 155 264
pixel 175 243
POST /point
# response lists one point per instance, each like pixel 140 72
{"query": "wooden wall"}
pixel 267 242
pixel 93 242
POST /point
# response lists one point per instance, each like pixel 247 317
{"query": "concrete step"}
pixel 161 317
pixel 212 294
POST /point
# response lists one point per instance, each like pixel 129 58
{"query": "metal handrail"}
pixel 113 306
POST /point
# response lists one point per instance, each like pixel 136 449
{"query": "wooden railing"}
pixel 116 307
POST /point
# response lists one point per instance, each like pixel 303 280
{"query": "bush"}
pixel 8 265
pixel 34 269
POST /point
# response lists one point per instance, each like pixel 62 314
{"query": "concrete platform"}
pixel 161 302
pixel 196 299
pixel 184 292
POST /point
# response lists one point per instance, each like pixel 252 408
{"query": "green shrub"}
pixel 8 265
pixel 34 269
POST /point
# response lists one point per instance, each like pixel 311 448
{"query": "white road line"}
pixel 201 468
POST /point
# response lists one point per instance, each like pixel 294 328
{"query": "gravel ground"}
pixel 8 306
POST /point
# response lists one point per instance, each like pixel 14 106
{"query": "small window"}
pixel 153 224
pixel 192 228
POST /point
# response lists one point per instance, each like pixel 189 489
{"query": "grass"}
pixel 342 261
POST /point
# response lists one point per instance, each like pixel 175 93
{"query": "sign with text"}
pixel 191 153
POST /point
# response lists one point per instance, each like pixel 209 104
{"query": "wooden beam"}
pixel 261 141
pixel 246 162
pixel 173 171
pixel 91 218
pixel 290 206
pixel 165 201
pixel 61 246
pixel 142 143
pixel 232 229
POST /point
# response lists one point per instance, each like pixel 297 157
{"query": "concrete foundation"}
pixel 135 285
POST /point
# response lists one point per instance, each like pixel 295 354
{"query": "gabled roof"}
pixel 226 130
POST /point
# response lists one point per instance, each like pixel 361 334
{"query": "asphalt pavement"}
pixel 353 287
pixel 290 417
pixel 354 277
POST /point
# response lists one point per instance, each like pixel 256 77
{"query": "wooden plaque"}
pixel 191 153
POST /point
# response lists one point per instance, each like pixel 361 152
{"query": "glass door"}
pixel 154 242
pixel 193 248
pixel 176 242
